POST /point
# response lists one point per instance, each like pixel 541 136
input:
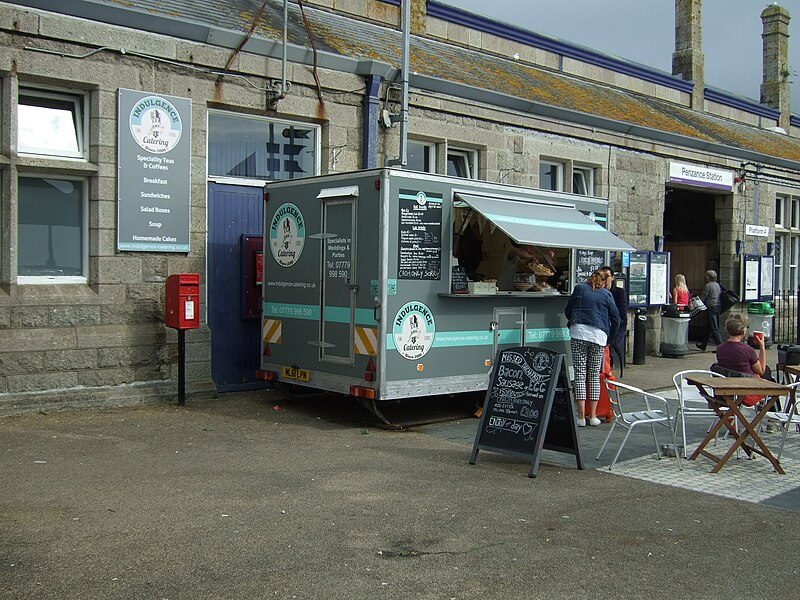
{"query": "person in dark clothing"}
pixel 621 302
pixel 710 297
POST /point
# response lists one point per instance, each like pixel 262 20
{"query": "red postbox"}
pixel 182 301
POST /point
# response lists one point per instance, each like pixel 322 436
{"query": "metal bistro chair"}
pixel 789 416
pixel 630 419
pixel 690 402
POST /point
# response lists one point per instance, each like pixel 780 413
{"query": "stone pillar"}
pixel 687 60
pixel 775 36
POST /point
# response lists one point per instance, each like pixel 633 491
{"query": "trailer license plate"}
pixel 295 373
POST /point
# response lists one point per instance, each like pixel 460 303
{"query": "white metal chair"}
pixel 789 416
pixel 690 402
pixel 631 419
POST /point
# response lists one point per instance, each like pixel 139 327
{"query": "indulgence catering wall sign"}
pixel 154 172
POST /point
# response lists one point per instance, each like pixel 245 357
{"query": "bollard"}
pixel 639 336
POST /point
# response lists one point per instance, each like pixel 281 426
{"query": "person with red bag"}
pixel 593 321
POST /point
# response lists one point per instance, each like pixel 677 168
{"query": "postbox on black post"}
pixel 182 312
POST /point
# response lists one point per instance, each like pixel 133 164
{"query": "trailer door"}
pixel 338 289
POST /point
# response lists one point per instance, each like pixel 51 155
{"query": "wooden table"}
pixel 792 371
pixel 725 398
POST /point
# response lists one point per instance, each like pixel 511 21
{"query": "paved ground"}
pixel 258 496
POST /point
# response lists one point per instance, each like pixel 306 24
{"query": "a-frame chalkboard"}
pixel 528 407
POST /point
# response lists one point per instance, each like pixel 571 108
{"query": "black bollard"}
pixel 639 336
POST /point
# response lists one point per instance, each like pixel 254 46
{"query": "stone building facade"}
pixel 503 104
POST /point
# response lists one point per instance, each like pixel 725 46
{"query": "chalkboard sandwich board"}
pixel 528 407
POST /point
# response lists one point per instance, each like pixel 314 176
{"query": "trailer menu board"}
pixel 519 413
pixel 587 262
pixel 420 236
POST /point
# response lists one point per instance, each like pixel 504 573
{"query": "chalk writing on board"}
pixel 527 406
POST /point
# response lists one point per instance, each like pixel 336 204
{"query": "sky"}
pixel 643 31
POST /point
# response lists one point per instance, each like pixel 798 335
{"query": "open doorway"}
pixel 690 235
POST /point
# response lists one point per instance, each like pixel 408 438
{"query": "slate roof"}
pixel 351 38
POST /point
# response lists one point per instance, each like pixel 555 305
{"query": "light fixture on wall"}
pixel 770 248
pixel 738 247
pixel 658 243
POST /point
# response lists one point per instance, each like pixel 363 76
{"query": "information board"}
pixel 587 262
pixel 659 278
pixel 767 291
pixel 420 236
pixel 750 277
pixel 637 279
pixel 527 407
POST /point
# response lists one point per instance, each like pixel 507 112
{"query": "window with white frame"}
pixel 787 243
pixel 52 229
pixel 780 211
pixel 462 163
pixel 51 123
pixel 551 176
pixel 583 181
pixel 421 156
pixel 246 147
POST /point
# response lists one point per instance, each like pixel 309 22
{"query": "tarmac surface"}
pixel 261 495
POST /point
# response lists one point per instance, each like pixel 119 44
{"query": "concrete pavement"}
pixel 253 495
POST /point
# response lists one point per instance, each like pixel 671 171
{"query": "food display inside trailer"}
pixel 383 284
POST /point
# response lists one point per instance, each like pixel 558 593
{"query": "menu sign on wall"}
pixel 154 172
pixel 587 262
pixel 420 236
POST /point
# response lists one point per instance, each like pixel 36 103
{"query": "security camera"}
pixel 386 118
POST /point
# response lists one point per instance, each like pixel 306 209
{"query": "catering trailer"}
pixel 382 284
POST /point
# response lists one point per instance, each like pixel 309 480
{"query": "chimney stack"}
pixel 687 60
pixel 775 86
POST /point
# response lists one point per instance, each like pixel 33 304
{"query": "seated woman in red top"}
pixel 735 354
pixel 680 293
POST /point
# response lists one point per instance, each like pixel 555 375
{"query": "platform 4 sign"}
pixel 528 407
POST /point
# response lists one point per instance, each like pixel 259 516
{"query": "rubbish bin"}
pixel 674 330
pixel 762 318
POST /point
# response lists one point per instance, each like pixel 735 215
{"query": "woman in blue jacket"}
pixel 593 321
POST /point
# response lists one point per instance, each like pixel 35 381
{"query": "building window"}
pixel 52 226
pixel 51 124
pixel 246 147
pixel 780 208
pixel 421 156
pixel 583 181
pixel 795 213
pixel 551 176
pixel 462 163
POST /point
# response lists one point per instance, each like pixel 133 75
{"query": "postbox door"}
pixel 338 289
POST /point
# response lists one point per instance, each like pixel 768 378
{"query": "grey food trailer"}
pixel 362 294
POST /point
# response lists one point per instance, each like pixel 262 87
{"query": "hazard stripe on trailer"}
pixel 272 331
pixel 366 341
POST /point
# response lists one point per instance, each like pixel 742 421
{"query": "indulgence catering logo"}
pixel 155 124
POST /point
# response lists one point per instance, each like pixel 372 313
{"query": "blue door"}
pixel 234 212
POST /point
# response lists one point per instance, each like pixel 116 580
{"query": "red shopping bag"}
pixel 604 405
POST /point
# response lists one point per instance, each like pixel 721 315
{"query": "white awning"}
pixel 540 224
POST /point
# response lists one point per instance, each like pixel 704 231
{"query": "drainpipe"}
pixel 404 84
pixel 369 123
pixel 285 39
pixel 755 205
